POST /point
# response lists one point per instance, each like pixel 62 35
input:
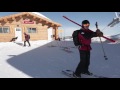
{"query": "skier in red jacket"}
pixel 27 38
pixel 84 37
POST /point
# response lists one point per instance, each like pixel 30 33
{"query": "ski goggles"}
pixel 86 25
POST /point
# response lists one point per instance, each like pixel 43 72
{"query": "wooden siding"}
pixel 13 23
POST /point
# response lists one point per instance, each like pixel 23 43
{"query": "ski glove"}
pixel 99 33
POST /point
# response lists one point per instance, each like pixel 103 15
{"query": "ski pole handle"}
pixel 96 25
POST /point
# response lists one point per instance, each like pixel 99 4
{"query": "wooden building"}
pixel 35 24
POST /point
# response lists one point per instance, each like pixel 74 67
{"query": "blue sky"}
pixel 103 18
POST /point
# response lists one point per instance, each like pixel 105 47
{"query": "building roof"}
pixel 35 14
pixel 39 14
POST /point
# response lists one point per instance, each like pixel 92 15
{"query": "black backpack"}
pixel 75 38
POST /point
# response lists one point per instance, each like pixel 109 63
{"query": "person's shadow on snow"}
pixel 39 62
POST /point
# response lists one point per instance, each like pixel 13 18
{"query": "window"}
pixel 31 30
pixel 17 29
pixel 4 29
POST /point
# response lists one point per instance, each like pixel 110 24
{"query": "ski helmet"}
pixel 85 22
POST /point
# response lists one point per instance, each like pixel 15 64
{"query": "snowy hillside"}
pixel 115 37
pixel 45 59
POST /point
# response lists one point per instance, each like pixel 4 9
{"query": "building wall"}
pixel 41 34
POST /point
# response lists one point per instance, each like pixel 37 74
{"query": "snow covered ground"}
pixel 45 59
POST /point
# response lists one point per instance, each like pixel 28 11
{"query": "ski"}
pixel 69 73
pixel 96 76
pixel 67 50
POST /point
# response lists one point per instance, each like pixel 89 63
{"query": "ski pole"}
pixel 101 44
pixel 81 26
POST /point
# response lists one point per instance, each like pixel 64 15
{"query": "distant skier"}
pixel 84 38
pixel 27 38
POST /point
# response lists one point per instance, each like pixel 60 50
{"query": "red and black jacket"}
pixel 84 38
pixel 27 37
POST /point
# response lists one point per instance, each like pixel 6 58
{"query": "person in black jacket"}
pixel 84 38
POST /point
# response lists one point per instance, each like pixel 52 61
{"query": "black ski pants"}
pixel 26 41
pixel 83 65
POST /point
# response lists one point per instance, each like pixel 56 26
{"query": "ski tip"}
pixel 64 16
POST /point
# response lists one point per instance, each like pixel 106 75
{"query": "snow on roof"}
pixel 37 13
pixel 33 13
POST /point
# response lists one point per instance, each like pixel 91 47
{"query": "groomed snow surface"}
pixel 46 59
